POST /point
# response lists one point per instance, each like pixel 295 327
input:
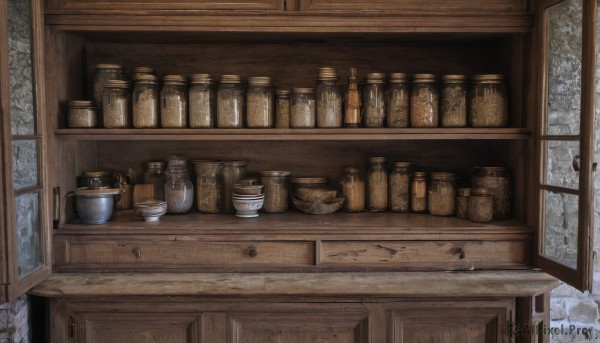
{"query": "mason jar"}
pixel 418 192
pixel 329 97
pixel 302 108
pixel 202 101
pixel 397 100
pixel 377 185
pixel 400 187
pixel 498 181
pixel 374 100
pixel 481 205
pixel 424 101
pixel 454 101
pixel 353 189
pixel 441 194
pixel 259 102
pixel 489 101
pixel 174 102
pixel 155 175
pixel 145 102
pixel 209 186
pixel 276 190
pixel 82 113
pixel 116 102
pixel 102 73
pixel 179 190
pixel 282 109
pixel 230 102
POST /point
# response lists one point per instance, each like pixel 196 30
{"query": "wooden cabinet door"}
pixel 415 6
pixel 83 6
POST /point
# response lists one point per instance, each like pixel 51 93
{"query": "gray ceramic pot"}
pixel 95 209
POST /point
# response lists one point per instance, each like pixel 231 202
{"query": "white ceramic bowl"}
pixel 151 210
pixel 247 208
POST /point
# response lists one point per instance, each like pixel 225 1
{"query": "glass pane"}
pixel 560 227
pixel 20 68
pixel 25 163
pixel 29 240
pixel 559 164
pixel 564 67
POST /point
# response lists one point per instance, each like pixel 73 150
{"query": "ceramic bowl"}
pixel 151 210
pixel 241 189
pixel 247 197
pixel 247 208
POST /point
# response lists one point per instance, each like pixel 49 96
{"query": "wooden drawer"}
pixel 58 6
pixel 412 6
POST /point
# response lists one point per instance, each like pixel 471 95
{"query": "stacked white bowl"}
pixel 247 200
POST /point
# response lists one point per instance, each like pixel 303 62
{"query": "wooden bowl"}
pixel 242 189
pixel 319 207
pixel 314 194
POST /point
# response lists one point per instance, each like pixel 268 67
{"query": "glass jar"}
pixel 498 181
pixel 352 116
pixel 400 187
pixel 230 102
pixel 209 186
pixel 329 99
pixel 102 73
pixel 140 71
pixel 374 100
pixel 377 185
pixel 156 176
pixel 424 101
pixel 259 102
pixel 276 190
pixel 115 104
pixel 454 101
pixel 233 172
pixel 145 102
pixel 489 101
pixel 397 100
pixel 202 101
pixel 353 188
pixel 462 202
pixel 418 192
pixel 174 102
pixel 302 108
pixel 179 190
pixel 441 194
pixel 82 113
pixel 481 205
pixel 282 109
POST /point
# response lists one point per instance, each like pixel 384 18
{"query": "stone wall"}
pixel 14 321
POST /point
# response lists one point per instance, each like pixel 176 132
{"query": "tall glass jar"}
pixel 400 187
pixel 259 102
pixel 233 172
pixel 116 102
pixel 145 102
pixel 179 190
pixel 353 189
pixel 424 101
pixel 489 101
pixel 209 186
pixel 418 192
pixel 442 194
pixel 102 73
pixel 140 71
pixel 282 109
pixel 202 101
pixel 374 100
pixel 230 102
pixel 276 190
pixel 329 99
pixel 377 185
pixel 498 181
pixel 156 176
pixel 454 101
pixel 397 100
pixel 302 108
pixel 174 102
pixel 352 115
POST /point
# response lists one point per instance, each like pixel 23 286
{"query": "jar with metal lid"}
pixel 498 181
pixel 454 101
pixel 353 189
pixel 329 99
pixel 230 102
pixel 352 116
pixel 233 172
pixel 282 109
pixel 302 108
pixel 424 101
pixel 377 185
pixel 397 100
pixel 82 113
pixel 374 100
pixel 209 186
pixel 276 190
pixel 145 102
pixel 462 202
pixel 102 73
pixel 489 101
pixel 174 102
pixel 155 175
pixel 441 194
pixel 400 187
pixel 116 102
pixel 139 71
pixel 418 192
pixel 481 205
pixel 202 101
pixel 309 182
pixel 259 102
pixel 179 190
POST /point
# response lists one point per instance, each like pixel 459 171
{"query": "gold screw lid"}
pixel 303 90
pixel 274 173
pixel 418 175
pixel 488 78
pixel 259 81
pixel 375 78
pixel 230 79
pixel 175 79
pixel 201 78
pixel 81 104
pixel 283 92
pixel 463 192
pixel 327 73
pixel 146 78
pixel 424 78
pixel 454 78
pixel 402 164
pixel 109 66
pixel 143 70
pixel 481 192
pixel 377 159
pixel 398 77
pixel 117 84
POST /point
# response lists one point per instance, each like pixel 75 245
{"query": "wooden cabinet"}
pixel 412 6
pixel 145 6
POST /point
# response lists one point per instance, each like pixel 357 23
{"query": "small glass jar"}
pixel 145 102
pixel 353 188
pixel 82 113
pixel 156 176
pixel 102 73
pixel 489 101
pixel 441 195
pixel 418 192
pixel 233 172
pixel 424 101
pixel 282 109
pixel 397 100
pixel 179 190
pixel 481 205
pixel 454 101
pixel 140 71
pixel 462 202
pixel 259 102
pixel 302 108
pixel 116 102
pixel 400 187
pixel 377 185
pixel 374 100
pixel 202 101
pixel 329 97
pixel 276 190
pixel 230 102
pixel 174 102
pixel 498 181
pixel 209 186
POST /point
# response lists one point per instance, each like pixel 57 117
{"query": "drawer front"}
pixel 415 6
pixel 160 5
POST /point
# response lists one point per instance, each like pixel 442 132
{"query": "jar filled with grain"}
pixel 282 109
pixel 400 187
pixel 397 100
pixel 352 115
pixel 498 181
pixel 481 205
pixel 454 101
pixel 424 101
pixel 353 189
pixel 82 113
pixel 116 102
pixel 302 108
pixel 233 172
pixel 230 102
pixel 441 194
pixel 202 101
pixel 209 186
pixel 329 99
pixel 179 190
pixel 140 71
pixel 377 185
pixel 102 73
pixel 489 101
pixel 155 175
pixel 374 100
pixel 462 202
pixel 418 192
pixel 259 102
pixel 174 102
pixel 276 190
pixel 145 102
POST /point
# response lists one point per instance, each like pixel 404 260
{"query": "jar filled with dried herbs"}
pixel 400 187
pixel 230 102
pixel 145 102
pixel 116 102
pixel 498 181
pixel 202 101
pixel 276 190
pixel 259 102
pixel 374 100
pixel 489 101
pixel 329 99
pixel 155 175
pixel 418 192
pixel 454 101
pixel 352 115
pixel 282 109
pixel 481 205
pixel 82 113
pixel 462 202
pixel 139 71
pixel 233 172
pixel 302 108
pixel 397 100
pixel 102 73
pixel 441 194
pixel 424 101
pixel 179 190
pixel 377 185
pixel 209 186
